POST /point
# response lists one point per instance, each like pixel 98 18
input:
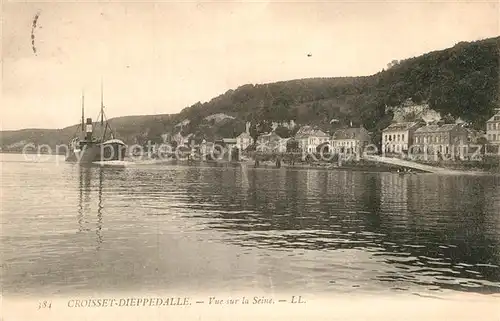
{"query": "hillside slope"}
pixel 461 81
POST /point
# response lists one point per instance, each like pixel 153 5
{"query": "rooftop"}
pixel 436 128
pixel 400 126
pixel 349 133
pixel 244 134
pixel 495 117
pixel 307 131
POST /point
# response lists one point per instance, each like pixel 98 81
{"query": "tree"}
pixel 283 131
pixel 392 64
pixel 483 142
pixel 292 145
pixel 448 119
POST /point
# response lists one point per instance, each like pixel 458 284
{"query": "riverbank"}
pixel 361 165
pixel 488 164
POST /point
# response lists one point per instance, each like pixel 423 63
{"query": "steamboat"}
pixel 95 145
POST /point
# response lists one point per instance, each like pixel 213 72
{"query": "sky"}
pixel 159 57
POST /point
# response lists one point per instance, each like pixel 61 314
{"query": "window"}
pixel 403 136
pixel 494 137
pixel 489 137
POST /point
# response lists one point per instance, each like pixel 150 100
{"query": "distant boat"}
pixel 85 148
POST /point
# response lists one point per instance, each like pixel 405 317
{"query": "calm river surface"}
pixel 66 229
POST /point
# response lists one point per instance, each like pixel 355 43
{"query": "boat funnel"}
pixel 88 129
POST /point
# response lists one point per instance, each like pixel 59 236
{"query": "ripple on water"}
pixel 205 227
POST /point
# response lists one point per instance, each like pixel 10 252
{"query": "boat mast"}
pixel 102 105
pixel 83 112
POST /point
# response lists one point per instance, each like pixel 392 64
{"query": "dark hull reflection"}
pixel 90 201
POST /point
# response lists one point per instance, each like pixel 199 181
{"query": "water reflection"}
pixel 191 227
pixel 437 231
pixel 100 208
pixel 90 185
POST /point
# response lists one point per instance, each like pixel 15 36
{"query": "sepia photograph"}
pixel 243 160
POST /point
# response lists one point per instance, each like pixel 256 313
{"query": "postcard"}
pixel 250 160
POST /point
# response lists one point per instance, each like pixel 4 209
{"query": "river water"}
pixel 67 229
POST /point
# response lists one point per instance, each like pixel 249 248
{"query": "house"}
pixel 350 140
pixel 181 140
pixel 230 148
pixel 244 139
pixel 310 138
pixel 493 128
pixel 292 145
pixel 287 124
pixel 229 142
pixel 445 139
pixel 398 137
pixel 206 147
pixel 269 143
pixel 210 150
pixel 473 135
pixel 282 147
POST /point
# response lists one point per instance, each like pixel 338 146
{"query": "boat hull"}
pixel 100 152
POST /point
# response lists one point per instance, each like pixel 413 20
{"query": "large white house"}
pixel 350 140
pixel 398 137
pixel 244 139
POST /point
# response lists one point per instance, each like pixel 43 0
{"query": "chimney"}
pixel 247 127
pixel 88 129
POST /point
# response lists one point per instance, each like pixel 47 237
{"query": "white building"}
pixel 309 139
pixel 398 137
pixel 181 140
pixel 244 139
pixel 493 128
pixel 350 140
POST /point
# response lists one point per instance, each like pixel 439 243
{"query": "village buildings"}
pixel 493 128
pixel 350 140
pixel 444 139
pixel 398 137
pixel 309 138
